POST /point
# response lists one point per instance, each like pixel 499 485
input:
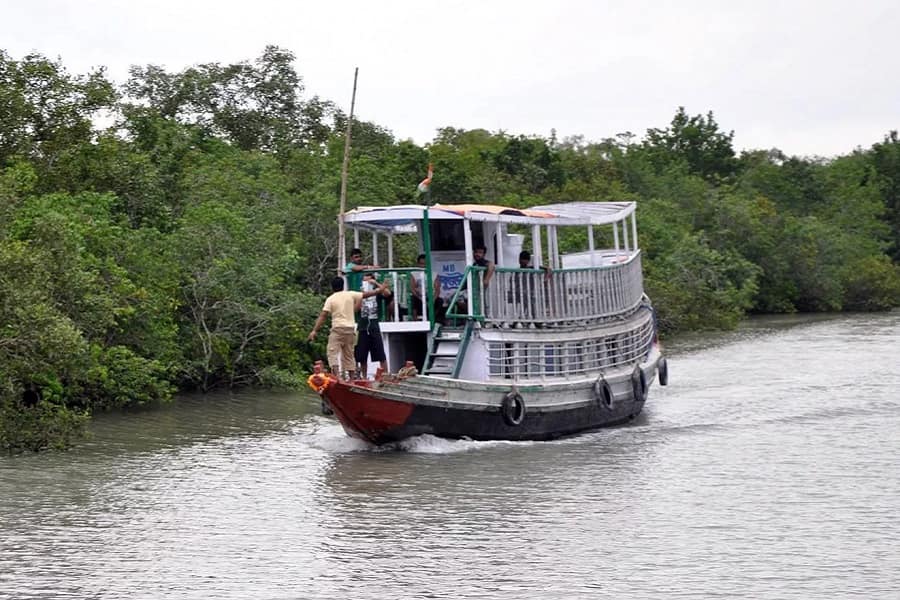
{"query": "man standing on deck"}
pixel 370 342
pixel 341 305
pixel 354 270
pixel 478 260
pixel 524 290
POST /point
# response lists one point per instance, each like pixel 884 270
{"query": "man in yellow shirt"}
pixel 342 306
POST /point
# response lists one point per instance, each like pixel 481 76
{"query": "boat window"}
pixel 447 235
pixel 530 360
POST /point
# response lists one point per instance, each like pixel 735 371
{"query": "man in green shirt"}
pixel 354 270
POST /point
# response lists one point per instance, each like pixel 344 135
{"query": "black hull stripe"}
pixel 490 425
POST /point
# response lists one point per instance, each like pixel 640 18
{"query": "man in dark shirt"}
pixel 526 287
pixel 481 261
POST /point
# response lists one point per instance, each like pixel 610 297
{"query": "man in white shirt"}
pixel 370 342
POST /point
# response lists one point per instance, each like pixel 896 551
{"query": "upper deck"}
pixel 403 218
pixel 598 279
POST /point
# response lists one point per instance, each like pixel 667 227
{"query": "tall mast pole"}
pixel 342 247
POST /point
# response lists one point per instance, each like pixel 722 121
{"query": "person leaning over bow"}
pixel 342 306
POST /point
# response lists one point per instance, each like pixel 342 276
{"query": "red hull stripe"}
pixel 366 415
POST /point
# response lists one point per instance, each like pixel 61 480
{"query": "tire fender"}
pixel 639 384
pixel 662 371
pixel 512 409
pixel 603 393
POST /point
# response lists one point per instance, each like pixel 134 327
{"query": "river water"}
pixel 768 468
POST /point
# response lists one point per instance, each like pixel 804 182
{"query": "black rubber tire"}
pixel 639 384
pixel 513 409
pixel 603 393
pixel 662 371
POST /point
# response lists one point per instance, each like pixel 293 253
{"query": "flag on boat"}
pixel 426 183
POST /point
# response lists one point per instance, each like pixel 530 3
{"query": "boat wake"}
pixel 325 434
pixel 430 444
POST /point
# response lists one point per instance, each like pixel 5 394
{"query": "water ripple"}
pixel 767 469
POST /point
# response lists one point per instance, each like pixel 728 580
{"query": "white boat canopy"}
pixel 402 219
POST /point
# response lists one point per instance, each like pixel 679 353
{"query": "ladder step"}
pixel 439 359
pixel 438 372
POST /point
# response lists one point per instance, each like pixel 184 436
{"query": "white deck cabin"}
pixel 586 286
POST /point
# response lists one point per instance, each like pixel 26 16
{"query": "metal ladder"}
pixel 447 350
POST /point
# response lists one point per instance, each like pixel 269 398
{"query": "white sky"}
pixel 808 77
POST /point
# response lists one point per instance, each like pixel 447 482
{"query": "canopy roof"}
pixel 402 219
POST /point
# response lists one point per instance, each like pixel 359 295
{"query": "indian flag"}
pixel 426 183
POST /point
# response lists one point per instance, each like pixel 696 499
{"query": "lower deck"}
pixel 521 352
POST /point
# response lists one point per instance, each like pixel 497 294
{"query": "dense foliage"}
pixel 185 243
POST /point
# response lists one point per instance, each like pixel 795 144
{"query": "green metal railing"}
pixel 399 282
pixel 473 278
pixel 547 297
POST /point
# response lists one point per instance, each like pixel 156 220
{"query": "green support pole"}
pixel 426 240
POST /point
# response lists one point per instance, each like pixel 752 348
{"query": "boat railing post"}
pixel 577 296
pixel 561 291
pixel 591 245
pixel 528 297
pixel 586 293
pixel 634 242
pixel 484 303
pixel 397 291
pixel 609 289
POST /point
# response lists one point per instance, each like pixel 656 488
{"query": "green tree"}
pixel 45 112
pixel 695 140
pixel 886 161
pixel 255 105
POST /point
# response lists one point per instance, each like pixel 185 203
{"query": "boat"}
pixel 533 353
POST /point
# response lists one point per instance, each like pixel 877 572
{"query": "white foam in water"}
pixel 328 435
pixel 429 444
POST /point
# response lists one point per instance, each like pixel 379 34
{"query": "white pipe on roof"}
pixel 591 245
pixel 390 242
pixel 634 230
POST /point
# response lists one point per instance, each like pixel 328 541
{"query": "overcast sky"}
pixel 808 77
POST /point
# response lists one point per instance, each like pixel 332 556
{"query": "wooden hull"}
pixel 386 412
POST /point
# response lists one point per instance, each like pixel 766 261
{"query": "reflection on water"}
pixel 767 469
